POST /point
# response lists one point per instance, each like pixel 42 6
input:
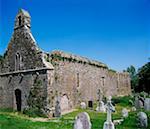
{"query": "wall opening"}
pixel 19 19
pixel 17 61
pixel 90 104
pixel 18 99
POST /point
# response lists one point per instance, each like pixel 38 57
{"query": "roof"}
pixel 78 58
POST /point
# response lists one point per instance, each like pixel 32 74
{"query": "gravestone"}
pixel 64 103
pixel 83 105
pixel 110 108
pixel 139 102
pixel 147 104
pixel 57 108
pixel 82 121
pixel 142 119
pixel 133 109
pixel 100 107
pixel 125 113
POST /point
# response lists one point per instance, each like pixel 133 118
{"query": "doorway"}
pixel 18 99
pixel 90 104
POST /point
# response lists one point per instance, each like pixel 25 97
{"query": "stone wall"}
pixel 25 82
pixel 80 78
pixel 24 68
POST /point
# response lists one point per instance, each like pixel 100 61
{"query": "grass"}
pixel 15 120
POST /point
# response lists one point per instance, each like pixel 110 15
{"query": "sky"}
pixel 115 32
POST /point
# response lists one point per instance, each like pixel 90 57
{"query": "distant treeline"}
pixel 140 79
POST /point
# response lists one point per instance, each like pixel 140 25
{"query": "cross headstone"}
pixel 99 93
pixel 110 108
pixel 100 107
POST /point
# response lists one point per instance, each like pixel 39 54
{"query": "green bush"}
pixel 126 100
pixel 34 112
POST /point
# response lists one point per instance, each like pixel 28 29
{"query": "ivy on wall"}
pixel 36 99
pixel 57 57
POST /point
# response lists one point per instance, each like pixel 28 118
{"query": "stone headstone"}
pixel 83 105
pixel 101 107
pixel 82 121
pixel 147 104
pixel 133 109
pixel 125 113
pixel 64 103
pixel 57 108
pixel 142 119
pixel 110 108
pixel 139 103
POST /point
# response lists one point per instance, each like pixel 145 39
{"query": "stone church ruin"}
pixel 31 78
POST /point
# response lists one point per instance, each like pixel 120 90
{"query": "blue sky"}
pixel 116 32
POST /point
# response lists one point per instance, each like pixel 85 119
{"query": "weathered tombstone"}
pixel 147 104
pixel 57 108
pixel 142 119
pixel 100 107
pixel 82 121
pixel 125 113
pixel 139 102
pixel 64 103
pixel 110 108
pixel 83 105
pixel 133 109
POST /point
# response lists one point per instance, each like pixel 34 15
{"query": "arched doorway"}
pixel 18 99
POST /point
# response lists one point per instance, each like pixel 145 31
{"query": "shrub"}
pixel 126 100
pixel 34 112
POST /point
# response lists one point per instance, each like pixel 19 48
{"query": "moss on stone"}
pixel 36 99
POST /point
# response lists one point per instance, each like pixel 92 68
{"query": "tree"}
pixel 133 75
pixel 144 78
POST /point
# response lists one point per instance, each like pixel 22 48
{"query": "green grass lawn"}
pixel 15 120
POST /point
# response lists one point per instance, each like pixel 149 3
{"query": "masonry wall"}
pixel 23 67
pixel 24 81
pixel 81 81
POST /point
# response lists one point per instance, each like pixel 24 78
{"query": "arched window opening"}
pixel 19 19
pixel 17 62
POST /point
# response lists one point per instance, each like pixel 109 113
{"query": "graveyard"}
pixel 14 120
